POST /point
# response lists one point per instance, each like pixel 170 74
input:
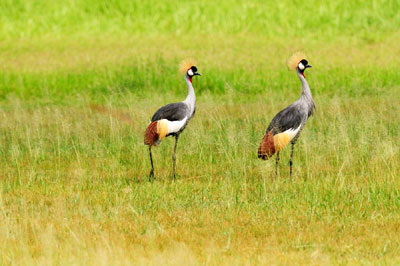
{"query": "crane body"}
pixel 172 119
pixel 287 125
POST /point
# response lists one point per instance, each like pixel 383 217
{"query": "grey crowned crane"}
pixel 171 119
pixel 286 126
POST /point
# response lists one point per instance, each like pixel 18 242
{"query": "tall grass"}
pixel 77 180
pixel 74 184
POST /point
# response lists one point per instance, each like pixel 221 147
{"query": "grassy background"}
pixel 74 184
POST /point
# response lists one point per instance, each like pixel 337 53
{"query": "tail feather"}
pixel 267 147
pixel 155 132
pixel 151 135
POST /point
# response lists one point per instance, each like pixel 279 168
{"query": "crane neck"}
pixel 191 97
pixel 305 89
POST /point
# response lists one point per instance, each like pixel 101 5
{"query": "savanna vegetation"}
pixel 73 181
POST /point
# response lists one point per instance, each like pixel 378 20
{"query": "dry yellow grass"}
pixel 75 190
pixel 73 182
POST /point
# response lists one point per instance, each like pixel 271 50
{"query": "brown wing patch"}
pixel 267 147
pixel 151 135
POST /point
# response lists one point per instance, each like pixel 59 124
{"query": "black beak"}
pixel 308 66
pixel 196 74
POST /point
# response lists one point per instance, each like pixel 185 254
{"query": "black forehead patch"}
pixel 194 69
pixel 304 62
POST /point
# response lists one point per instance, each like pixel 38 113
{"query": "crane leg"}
pixel 291 160
pixel 174 155
pixel 277 162
pixel 152 167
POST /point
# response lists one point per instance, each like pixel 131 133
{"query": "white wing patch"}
pixel 283 138
pixel 292 132
pixel 175 126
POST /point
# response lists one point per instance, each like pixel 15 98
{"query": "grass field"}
pixel 73 182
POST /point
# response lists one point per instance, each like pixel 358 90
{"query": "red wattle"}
pixel 190 80
pixel 303 75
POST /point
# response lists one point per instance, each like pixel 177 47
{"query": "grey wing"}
pixel 171 112
pixel 312 109
pixel 290 117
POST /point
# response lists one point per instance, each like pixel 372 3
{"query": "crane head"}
pixel 192 71
pixel 303 64
pixel 188 67
pixel 298 62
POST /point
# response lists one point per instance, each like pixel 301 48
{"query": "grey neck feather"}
pixel 191 97
pixel 305 92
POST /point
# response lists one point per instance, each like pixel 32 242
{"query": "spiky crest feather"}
pixel 186 64
pixel 295 59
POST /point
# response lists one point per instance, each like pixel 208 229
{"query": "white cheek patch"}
pixel 190 72
pixel 301 66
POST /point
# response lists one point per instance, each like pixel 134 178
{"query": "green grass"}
pixel 274 19
pixel 74 184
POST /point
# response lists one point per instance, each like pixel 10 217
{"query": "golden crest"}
pixel 295 59
pixel 186 64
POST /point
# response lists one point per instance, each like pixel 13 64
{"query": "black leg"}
pixel 291 160
pixel 152 168
pixel 174 156
pixel 277 162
